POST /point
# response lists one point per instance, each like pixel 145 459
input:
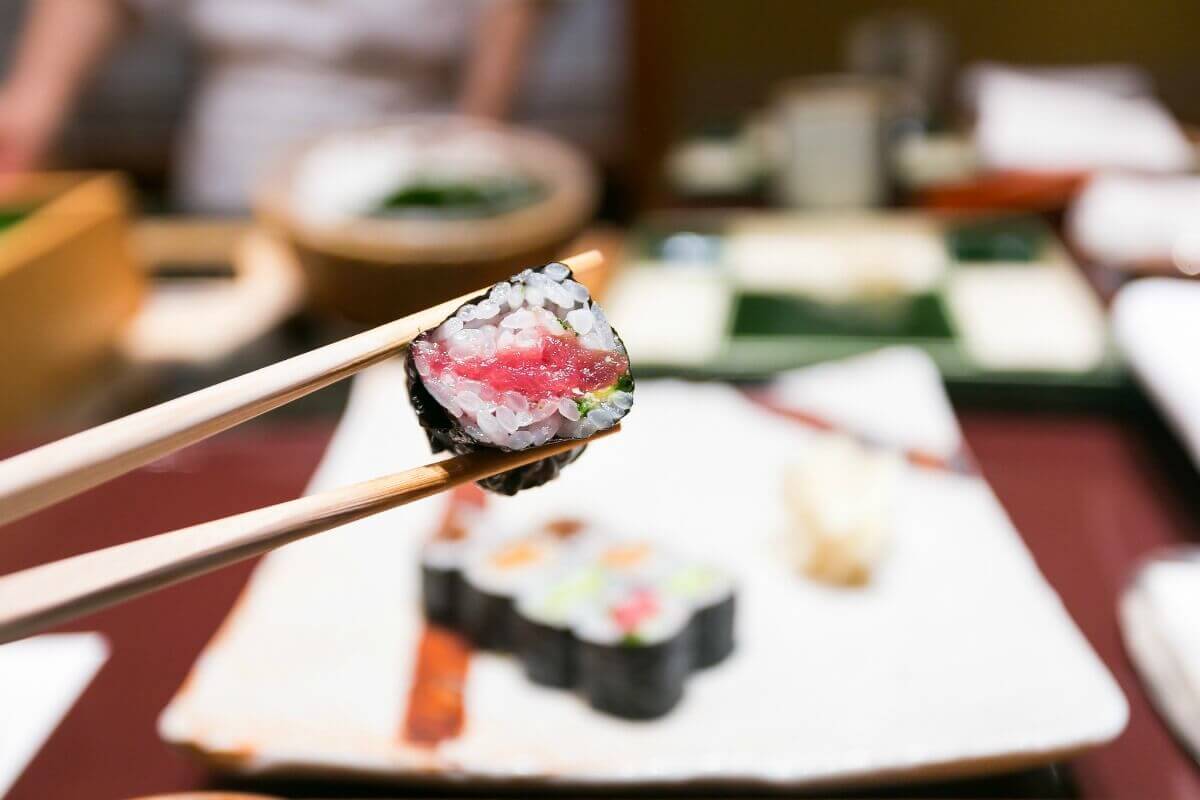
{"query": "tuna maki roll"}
pixel 492 579
pixel 544 642
pixel 635 653
pixel 709 592
pixel 531 361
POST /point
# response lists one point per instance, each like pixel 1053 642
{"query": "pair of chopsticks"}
pixel 44 596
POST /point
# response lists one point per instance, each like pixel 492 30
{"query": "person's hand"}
pixel 27 129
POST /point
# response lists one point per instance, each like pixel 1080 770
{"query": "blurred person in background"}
pixel 274 73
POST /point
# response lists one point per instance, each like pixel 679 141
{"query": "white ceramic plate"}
pixel 1158 624
pixel 957 659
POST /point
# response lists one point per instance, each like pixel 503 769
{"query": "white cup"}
pixel 831 134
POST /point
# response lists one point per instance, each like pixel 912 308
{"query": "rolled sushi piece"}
pixel 494 576
pixel 531 361
pixel 634 653
pixel 443 557
pixel 441 580
pixel 710 595
pixel 544 641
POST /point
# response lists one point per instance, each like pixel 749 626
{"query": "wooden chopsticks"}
pixel 56 471
pixel 44 596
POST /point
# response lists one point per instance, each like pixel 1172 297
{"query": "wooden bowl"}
pixel 374 269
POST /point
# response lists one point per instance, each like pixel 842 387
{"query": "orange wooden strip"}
pixel 435 703
pixel 436 710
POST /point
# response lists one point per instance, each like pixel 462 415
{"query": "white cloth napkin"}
pixel 1116 79
pixel 40 679
pixel 1159 624
pixel 1125 219
pixel 1156 323
pixel 1032 123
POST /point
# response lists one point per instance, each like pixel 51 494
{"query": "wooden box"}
pixel 68 284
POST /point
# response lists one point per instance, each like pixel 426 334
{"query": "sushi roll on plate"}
pixel 635 653
pixel 531 361
pixel 622 622
pixel 442 580
pixel 709 593
pixel 443 556
pixel 543 638
pixel 494 576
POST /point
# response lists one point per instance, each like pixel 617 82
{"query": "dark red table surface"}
pixel 1090 494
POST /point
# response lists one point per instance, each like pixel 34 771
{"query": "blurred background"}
pixel 199 108
pixel 192 189
pixel 627 81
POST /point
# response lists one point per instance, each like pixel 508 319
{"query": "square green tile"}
pixel 913 317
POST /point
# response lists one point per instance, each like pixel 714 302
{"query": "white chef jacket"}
pixel 278 72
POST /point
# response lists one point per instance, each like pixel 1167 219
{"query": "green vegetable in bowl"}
pixel 461 199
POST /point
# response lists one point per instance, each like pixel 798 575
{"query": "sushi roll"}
pixel 634 653
pixel 443 556
pixel 492 579
pixel 543 639
pixel 531 361
pixel 442 580
pixel 709 593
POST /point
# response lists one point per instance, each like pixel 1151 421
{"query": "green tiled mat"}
pixel 768 332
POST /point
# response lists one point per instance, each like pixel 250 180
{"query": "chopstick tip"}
pixel 585 261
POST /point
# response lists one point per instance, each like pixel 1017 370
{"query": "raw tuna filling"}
pixel 552 366
pixel 535 360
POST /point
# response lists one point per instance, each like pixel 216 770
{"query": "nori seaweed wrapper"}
pixel 636 681
pixel 441 590
pixel 548 653
pixel 445 433
pixel 712 632
pixel 486 618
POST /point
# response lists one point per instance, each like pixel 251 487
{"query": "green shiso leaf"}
pixel 595 398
